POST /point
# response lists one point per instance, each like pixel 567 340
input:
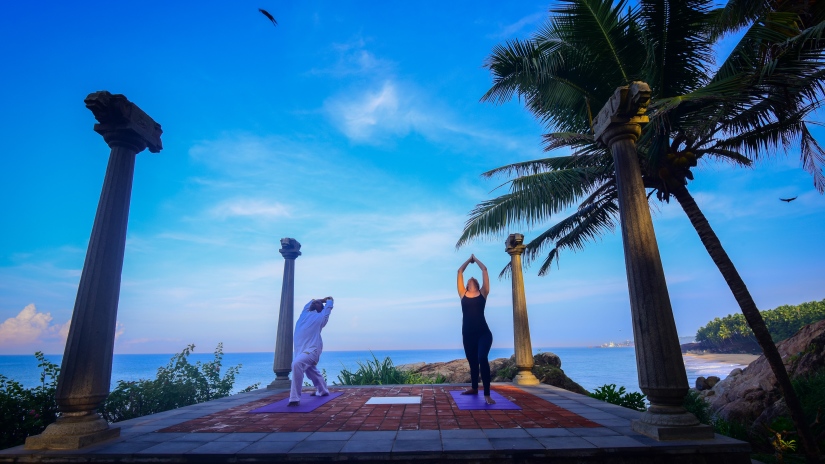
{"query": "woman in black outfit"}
pixel 477 336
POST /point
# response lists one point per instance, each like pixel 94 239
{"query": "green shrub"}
pixel 778 442
pixel 609 394
pixel 323 374
pixel 733 429
pixel 377 372
pixel 697 405
pixel 179 384
pixel 27 411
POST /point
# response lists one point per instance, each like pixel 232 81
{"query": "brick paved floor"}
pixel 349 412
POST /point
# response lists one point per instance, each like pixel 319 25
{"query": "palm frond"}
pixel 533 198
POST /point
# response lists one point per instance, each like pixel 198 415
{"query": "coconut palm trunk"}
pixel 752 316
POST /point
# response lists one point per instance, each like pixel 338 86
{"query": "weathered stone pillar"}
pixel 514 246
pixel 662 374
pixel 282 366
pixel 86 370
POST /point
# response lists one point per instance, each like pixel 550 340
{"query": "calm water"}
pixel 590 367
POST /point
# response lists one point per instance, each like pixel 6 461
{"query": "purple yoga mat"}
pixel 308 404
pixel 473 402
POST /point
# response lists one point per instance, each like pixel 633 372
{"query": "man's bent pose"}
pixel 308 348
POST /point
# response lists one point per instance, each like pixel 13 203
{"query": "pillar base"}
pixel 671 423
pixel 279 384
pixel 73 432
pixel 525 378
pixel 665 433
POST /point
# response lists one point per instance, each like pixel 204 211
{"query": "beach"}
pixel 724 358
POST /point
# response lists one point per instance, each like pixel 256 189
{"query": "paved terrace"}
pixel 554 425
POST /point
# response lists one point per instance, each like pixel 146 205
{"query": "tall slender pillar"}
pixel 86 370
pixel 521 328
pixel 282 366
pixel 661 370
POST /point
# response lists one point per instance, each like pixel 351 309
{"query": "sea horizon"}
pixel 591 367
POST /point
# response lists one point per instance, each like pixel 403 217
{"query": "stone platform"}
pixel 554 425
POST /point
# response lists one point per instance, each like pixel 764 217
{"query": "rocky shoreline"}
pixel 547 368
pixel 751 395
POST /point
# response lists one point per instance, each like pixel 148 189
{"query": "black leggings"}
pixel 477 348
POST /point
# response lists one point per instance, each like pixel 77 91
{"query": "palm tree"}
pixel 584 52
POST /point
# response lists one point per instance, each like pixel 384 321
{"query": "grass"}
pixel 377 372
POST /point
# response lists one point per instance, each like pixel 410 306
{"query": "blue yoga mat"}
pixel 476 402
pixel 308 404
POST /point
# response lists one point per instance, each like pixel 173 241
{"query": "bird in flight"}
pixel 788 200
pixel 268 16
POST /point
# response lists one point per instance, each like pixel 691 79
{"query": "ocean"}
pixel 590 367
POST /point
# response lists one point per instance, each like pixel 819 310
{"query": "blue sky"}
pixel 359 132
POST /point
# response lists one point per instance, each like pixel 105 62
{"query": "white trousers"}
pixel 306 363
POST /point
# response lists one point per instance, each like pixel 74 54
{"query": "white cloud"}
pixel 373 114
pixel 394 110
pixel 351 58
pixel 28 326
pixel 250 207
pixel 511 29
pixel 32 330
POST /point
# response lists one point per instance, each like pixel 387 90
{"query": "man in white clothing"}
pixel 308 348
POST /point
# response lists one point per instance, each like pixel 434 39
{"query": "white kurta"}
pixel 308 347
pixel 307 338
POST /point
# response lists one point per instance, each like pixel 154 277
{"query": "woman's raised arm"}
pixel 485 285
pixel 461 289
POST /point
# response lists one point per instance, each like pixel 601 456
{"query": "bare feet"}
pixel 293 403
pixel 320 394
pixel 470 391
pixel 489 400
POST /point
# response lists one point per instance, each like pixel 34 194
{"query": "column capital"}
pixel 514 244
pixel 122 123
pixel 290 248
pixel 623 114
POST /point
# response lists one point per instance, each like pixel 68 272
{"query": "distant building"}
pixel 624 344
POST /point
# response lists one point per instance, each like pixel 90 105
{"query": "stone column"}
pixel 514 246
pixel 86 370
pixel 662 374
pixel 282 366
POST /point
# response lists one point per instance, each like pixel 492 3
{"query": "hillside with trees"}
pixel 731 334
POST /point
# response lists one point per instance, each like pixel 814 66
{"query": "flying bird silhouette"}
pixel 788 200
pixel 268 16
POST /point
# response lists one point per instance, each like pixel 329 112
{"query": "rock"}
pixel 752 395
pixel 546 367
pixel 411 366
pixel 547 359
pixel 712 380
pixel 701 383
pixel 456 371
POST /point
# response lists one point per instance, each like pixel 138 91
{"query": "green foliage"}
pixel 731 429
pixel 377 372
pixel 323 374
pixel 609 394
pixel 697 405
pixel 782 322
pixel 179 384
pixel 27 411
pixel 508 372
pixel 778 441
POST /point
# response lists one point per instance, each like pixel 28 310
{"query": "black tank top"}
pixel 473 311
